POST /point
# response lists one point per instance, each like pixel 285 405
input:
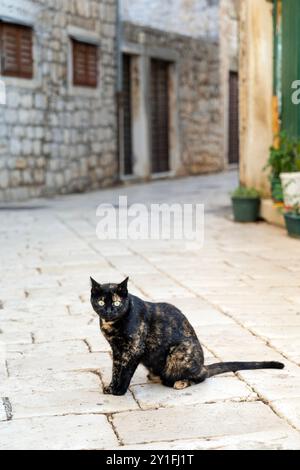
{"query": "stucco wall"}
pixel 228 50
pixel 196 18
pixel 256 78
pixel 56 138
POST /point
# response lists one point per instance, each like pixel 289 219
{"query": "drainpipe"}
pixel 119 47
pixel 119 87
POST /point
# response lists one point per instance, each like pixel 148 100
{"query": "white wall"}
pixel 197 18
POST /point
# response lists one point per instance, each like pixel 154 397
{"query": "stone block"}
pixel 212 390
pixel 86 432
pixel 197 421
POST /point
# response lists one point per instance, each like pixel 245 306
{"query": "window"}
pixel 16 50
pixel 85 63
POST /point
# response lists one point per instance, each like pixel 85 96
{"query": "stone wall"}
pixel 198 94
pixel 56 138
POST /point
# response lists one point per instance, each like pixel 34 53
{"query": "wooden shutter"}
pixel 26 62
pixel 159 115
pixel 16 50
pixel 91 66
pixel 233 138
pixel 85 64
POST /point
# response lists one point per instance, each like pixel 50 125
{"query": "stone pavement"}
pixel 240 291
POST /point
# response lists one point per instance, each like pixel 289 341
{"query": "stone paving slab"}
pixel 28 366
pixel 274 384
pixel 50 382
pixel 151 396
pixel 287 346
pixel 201 313
pixel 55 348
pixel 266 440
pixel 200 421
pixel 58 433
pixel 15 337
pixel 290 409
pixel 64 402
pixel 277 331
pixel 234 343
pixel 97 343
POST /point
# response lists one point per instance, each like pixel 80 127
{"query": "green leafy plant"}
pixel 242 193
pixel 285 158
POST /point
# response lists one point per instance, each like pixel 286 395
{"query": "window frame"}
pixel 88 48
pixel 19 71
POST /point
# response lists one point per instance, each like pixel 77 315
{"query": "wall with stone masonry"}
pixel 198 97
pixel 55 138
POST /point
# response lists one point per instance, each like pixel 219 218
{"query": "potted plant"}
pixel 292 221
pixel 245 204
pixel 284 159
pixel 291 188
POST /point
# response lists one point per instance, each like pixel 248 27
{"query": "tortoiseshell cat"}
pixel 156 335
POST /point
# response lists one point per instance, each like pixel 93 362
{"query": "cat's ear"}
pixel 122 287
pixel 96 287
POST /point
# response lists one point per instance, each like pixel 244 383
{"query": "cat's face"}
pixel 110 301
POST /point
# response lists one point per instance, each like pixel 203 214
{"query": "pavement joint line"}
pixel 7 369
pixel 134 397
pixel 110 420
pixel 280 415
pixel 87 345
pixel 99 375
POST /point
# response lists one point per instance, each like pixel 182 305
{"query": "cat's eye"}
pixel 117 303
pixel 101 303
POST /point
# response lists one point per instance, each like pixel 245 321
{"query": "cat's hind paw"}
pixel 181 384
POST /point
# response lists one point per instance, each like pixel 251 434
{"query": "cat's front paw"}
pixel 108 390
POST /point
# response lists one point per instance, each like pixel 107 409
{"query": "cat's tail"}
pixel 222 367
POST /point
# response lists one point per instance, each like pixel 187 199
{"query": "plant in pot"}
pixel 290 180
pixel 284 159
pixel 292 221
pixel 245 204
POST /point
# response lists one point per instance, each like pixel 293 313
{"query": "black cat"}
pixel 156 335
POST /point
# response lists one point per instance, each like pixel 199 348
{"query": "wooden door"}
pixel 159 116
pixel 233 137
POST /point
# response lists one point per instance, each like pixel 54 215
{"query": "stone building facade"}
pixel 56 137
pixel 198 39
